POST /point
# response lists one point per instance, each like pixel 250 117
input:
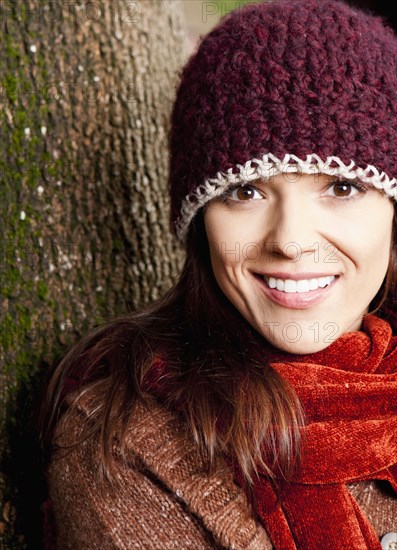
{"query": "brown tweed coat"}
pixel 167 499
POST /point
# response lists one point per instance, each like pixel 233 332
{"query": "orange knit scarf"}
pixel 349 394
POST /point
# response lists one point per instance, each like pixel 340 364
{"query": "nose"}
pixel 292 223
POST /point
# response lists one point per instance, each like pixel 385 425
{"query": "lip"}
pixel 296 300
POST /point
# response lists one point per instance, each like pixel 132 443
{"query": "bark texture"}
pixel 86 90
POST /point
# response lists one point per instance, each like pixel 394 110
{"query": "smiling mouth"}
pixel 300 296
pixel 301 286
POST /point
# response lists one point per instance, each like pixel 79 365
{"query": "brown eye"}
pixel 244 193
pixel 342 189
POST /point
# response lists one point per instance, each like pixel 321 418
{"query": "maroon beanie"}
pixel 287 86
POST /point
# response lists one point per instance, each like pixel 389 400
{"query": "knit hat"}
pixel 305 86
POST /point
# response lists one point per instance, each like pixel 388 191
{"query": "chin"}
pixel 301 347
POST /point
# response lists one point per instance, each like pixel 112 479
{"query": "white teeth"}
pixel 289 286
pixel 271 281
pixel 279 284
pixel 323 281
pixel 313 284
pixel 304 285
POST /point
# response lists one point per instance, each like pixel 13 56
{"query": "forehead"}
pixel 293 177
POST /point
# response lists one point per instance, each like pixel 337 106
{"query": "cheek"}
pixel 225 246
pixel 378 259
pixel 232 240
pixel 224 238
pixel 370 246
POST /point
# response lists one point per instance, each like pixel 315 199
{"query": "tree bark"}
pixel 86 90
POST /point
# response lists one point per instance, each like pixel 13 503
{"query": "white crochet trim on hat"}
pixel 270 166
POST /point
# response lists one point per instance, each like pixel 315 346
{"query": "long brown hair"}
pixel 214 359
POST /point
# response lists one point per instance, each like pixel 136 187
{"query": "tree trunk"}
pixel 86 90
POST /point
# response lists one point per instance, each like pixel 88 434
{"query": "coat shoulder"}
pixel 165 494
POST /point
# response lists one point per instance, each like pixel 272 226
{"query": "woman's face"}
pixel 300 227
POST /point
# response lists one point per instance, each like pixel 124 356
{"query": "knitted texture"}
pixel 166 500
pixel 349 394
pixel 348 391
pixel 293 85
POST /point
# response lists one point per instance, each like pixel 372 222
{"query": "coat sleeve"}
pixel 89 514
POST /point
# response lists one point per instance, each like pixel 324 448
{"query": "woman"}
pixel 254 406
